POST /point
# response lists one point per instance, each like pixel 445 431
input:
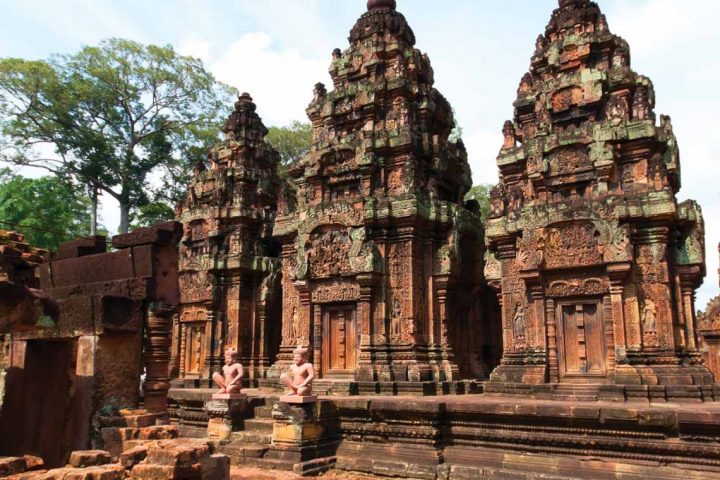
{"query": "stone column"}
pixel 617 274
pixel 365 371
pixel 157 357
pixel 317 336
pixel 552 340
pixel 688 306
pixel 449 366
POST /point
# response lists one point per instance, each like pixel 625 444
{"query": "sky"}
pixel 278 49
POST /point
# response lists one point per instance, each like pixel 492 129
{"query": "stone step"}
pixel 259 425
pixel 252 437
pixel 264 411
pixel 243 453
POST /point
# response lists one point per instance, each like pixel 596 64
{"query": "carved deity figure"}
pixel 232 373
pixel 302 374
pixel 649 316
pixel 519 322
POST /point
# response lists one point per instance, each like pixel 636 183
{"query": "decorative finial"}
pixel 377 4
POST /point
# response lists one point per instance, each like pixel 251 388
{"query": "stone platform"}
pixel 483 436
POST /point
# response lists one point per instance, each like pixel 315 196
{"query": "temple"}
pixel 380 255
pixel 383 328
pixel 594 260
pixel 228 262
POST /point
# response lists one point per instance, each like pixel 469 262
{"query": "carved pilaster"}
pixel 617 274
pixel 552 340
pixel 157 357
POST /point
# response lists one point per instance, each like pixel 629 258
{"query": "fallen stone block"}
pixel 88 458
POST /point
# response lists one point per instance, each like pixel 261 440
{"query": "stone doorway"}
pixel 581 341
pixel 339 346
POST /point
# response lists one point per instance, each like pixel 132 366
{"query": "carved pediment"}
pixel 329 253
pixel 573 244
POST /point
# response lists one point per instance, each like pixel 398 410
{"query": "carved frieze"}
pixel 335 291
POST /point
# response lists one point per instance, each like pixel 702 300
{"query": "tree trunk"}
pixel 124 217
pixel 94 212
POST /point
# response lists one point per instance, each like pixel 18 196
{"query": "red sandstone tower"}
pixel 228 266
pixel 381 271
pixel 594 260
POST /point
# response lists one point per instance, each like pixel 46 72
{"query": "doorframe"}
pixel 325 347
pixel 599 302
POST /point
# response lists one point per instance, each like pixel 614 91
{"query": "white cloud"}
pixel 483 147
pixel 280 82
pixel 196 46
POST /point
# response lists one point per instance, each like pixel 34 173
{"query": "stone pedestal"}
pixel 304 437
pixel 225 411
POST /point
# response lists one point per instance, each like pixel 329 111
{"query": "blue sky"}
pixel 278 49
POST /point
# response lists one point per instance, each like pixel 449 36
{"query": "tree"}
pixel 481 194
pixel 116 115
pixel 291 142
pixel 46 210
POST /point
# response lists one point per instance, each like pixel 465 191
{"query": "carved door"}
pixel 581 340
pixel 339 340
pixel 194 348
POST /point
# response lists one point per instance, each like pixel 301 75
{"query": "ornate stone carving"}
pixel 586 207
pixel 573 244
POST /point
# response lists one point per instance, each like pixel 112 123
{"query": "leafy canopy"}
pixel 46 210
pixel 113 114
pixel 481 194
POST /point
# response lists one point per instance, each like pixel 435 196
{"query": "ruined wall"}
pixel 63 378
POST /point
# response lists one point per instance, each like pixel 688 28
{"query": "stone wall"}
pixel 62 378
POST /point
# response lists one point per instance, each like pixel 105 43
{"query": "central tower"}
pixel 373 223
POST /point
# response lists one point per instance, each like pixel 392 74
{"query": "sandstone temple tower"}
pixel 381 261
pixel 228 265
pixel 594 260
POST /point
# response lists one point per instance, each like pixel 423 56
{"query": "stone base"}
pixel 298 399
pixel 229 396
pixel 225 415
pixel 607 392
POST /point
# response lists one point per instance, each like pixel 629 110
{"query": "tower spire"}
pixel 378 4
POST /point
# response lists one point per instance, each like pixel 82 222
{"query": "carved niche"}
pixel 569 160
pixel 572 244
pixel 566 98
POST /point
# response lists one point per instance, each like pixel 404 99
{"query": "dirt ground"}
pixel 247 473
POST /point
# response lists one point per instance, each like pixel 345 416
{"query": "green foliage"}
pixel 291 142
pixel 152 213
pixel 114 114
pixel 50 211
pixel 481 194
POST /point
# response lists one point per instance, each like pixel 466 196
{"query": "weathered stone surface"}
pixel 11 465
pixel 129 458
pixel 91 358
pixel 22 305
pixel 594 260
pixel 89 458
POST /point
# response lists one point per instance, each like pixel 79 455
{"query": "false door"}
pixel 339 340
pixel 194 348
pixel 581 341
